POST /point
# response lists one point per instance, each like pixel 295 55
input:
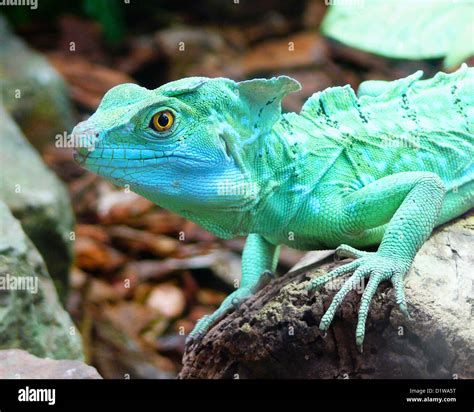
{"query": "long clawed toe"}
pixel 368 265
pixel 333 274
pixel 199 331
pixel 346 251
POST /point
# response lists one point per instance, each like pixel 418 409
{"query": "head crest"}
pixel 263 99
pixel 182 86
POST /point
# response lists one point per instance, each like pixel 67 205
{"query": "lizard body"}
pixel 381 168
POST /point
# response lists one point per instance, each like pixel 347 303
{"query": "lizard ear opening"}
pixel 263 98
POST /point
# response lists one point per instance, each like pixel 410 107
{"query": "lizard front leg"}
pixel 258 259
pixel 409 203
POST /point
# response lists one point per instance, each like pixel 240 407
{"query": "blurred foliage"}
pixel 405 29
pixel 117 17
pixel 109 13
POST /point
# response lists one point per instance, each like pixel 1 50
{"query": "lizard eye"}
pixel 162 121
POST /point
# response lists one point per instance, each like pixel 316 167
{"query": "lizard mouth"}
pixel 133 159
pixel 103 160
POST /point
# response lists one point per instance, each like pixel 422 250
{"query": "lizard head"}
pixel 178 144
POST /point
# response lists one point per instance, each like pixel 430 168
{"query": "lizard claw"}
pixel 199 331
pixel 372 265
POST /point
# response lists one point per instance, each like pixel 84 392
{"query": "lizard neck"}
pixel 226 220
pixel 279 165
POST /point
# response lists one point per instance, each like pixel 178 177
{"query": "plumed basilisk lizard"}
pixel 380 168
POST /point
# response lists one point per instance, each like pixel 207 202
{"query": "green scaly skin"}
pixel 348 172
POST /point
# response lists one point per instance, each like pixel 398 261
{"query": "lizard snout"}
pixel 84 136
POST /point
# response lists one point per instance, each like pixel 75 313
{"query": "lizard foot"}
pixel 373 265
pixel 203 324
pixel 200 329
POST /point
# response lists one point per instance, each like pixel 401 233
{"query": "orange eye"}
pixel 162 121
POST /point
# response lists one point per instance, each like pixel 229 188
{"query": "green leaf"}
pixel 405 29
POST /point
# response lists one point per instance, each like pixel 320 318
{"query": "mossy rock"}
pixel 38 199
pixel 32 91
pixel 31 316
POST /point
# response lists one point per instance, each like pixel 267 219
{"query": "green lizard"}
pixel 348 172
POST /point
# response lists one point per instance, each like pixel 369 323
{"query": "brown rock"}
pixel 19 364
